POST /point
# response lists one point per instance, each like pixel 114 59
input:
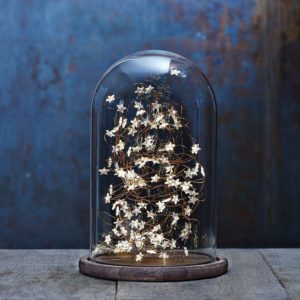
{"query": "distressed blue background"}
pixel 52 54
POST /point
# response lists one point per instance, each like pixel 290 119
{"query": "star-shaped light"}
pixel 128 214
pixel 138 105
pixel 159 237
pixel 175 72
pixel 175 218
pixel 187 211
pixel 110 133
pixel 118 223
pixel 186 186
pixel 170 147
pixel 139 90
pixel 103 171
pixel 140 112
pixel 110 98
pixel 150 214
pixel 161 206
pixel 145 121
pixel 109 162
pixel 116 232
pixel 123 230
pixel 156 105
pixel 142 205
pixel 136 211
pixel 175 199
pixel 155 178
pixel 149 142
pixel 120 107
pixel 173 244
pixel 132 131
pixel 118 147
pixel 107 239
pixel 134 224
pixel 107 198
pixel 149 89
pixel 195 148
pixel 124 123
pixel 169 169
pixel 139 256
pixel 156 228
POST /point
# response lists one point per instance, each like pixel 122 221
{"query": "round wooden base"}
pixel 152 273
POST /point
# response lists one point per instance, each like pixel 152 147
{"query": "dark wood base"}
pixel 176 258
pixel 152 273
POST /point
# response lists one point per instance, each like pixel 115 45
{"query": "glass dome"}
pixel 153 163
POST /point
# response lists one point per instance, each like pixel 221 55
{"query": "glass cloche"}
pixel 153 153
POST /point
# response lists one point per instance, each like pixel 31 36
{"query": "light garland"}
pixel 157 177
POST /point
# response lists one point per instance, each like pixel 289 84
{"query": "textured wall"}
pixel 51 56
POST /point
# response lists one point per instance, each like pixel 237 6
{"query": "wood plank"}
pixel 53 274
pixel 48 274
pixel 249 277
pixel 285 263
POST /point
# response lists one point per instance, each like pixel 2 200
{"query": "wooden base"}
pixel 176 258
pixel 191 270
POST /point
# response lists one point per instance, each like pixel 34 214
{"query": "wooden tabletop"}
pixel 53 274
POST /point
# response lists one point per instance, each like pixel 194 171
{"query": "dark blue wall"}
pixel 51 56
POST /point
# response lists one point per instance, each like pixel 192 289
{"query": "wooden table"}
pixel 53 274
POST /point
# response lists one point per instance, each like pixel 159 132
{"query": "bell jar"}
pixel 153 156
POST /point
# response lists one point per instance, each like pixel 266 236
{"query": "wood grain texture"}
pixel 248 278
pixel 53 274
pixel 48 274
pixel 146 273
pixel 285 264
